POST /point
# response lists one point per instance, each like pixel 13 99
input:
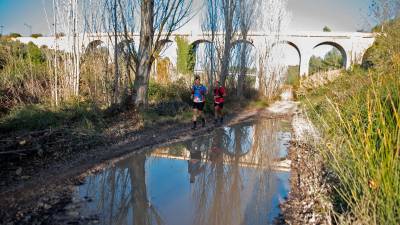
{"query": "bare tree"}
pixel 229 11
pixel 247 12
pixel 127 8
pixel 55 55
pixel 75 31
pixel 68 16
pixel 382 11
pixel 275 19
pixel 116 68
pixel 159 18
pixel 210 28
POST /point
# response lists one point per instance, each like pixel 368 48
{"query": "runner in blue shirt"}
pixel 199 92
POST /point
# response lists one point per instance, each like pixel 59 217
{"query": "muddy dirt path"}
pixel 49 189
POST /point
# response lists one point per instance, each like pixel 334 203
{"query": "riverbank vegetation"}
pixel 359 117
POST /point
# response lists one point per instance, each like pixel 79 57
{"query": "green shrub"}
pixel 37 117
pixel 35 54
pixel 36 35
pixel 14 35
pixel 177 91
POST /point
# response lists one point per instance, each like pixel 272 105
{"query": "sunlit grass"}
pixel 39 116
pixel 361 126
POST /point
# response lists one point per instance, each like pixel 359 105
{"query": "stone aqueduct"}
pixel 352 45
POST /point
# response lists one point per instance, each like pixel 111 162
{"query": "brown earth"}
pixel 308 201
pixel 37 192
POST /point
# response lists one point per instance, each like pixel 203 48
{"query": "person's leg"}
pixel 194 118
pixel 203 120
pixel 216 112
pixel 220 112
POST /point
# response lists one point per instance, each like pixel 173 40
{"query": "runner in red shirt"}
pixel 219 94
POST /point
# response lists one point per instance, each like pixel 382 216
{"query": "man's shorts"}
pixel 220 105
pixel 198 105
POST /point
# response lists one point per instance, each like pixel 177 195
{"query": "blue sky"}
pixel 307 15
pixel 14 13
pixel 339 15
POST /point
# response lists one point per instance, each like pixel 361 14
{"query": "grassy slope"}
pixel 360 118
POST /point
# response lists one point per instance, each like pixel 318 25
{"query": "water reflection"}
pixel 226 177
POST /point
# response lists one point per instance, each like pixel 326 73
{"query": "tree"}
pixel 113 8
pixel 221 15
pixel 36 35
pixel 36 56
pixel 229 11
pixel 156 25
pixel 315 64
pixel 247 11
pixel 383 11
pixel 14 35
pixel 332 60
pixel 273 19
pixel 127 9
pixel 210 26
pixel 327 29
pixel 60 34
pixel 381 53
pixel 68 17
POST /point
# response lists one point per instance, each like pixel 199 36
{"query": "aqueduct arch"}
pixel 352 45
pixel 129 44
pixel 93 45
pixel 286 42
pixel 193 51
pixel 346 63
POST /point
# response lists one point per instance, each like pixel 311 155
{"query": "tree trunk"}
pixel 212 61
pixel 116 68
pixel 226 58
pixel 145 59
pixel 55 55
pixel 229 9
pixel 243 69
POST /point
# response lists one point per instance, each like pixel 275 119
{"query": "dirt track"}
pixel 40 198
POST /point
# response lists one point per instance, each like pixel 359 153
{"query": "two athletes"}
pixel 199 92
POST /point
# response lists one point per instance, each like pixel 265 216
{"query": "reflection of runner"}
pixel 195 167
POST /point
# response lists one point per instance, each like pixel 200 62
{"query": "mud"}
pixel 48 188
pixel 308 201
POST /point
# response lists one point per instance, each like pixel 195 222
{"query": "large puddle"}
pixel 233 175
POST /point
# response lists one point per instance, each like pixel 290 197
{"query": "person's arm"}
pixel 203 91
